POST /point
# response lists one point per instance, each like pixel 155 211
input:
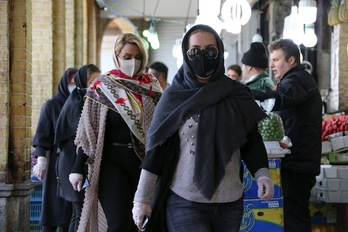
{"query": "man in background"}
pixel 160 71
pixel 254 68
pixel 298 103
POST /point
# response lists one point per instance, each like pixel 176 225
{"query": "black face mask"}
pixel 203 61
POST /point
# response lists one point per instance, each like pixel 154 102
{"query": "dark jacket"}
pixel 55 210
pixel 65 135
pixel 261 82
pixel 298 102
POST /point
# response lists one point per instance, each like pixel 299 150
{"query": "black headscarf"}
pixel 63 90
pixel 227 112
pixel 70 115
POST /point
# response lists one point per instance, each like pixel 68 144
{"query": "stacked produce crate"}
pixel 260 215
pixel 331 187
pixel 332 183
pixel 35 206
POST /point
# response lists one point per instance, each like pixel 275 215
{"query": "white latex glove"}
pixel 139 211
pixel 265 188
pixel 76 180
pixel 39 170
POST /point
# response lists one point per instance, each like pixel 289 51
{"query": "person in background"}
pixel 255 64
pixel 111 134
pixel 160 71
pixel 298 103
pixel 193 158
pixel 64 137
pixel 55 212
pixel 234 72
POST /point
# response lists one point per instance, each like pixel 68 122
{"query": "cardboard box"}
pixel 326 147
pixel 337 143
pixel 328 196
pixel 342 172
pixel 322 212
pixel 344 197
pixel 328 171
pixel 328 184
pixel 261 216
pixel 250 185
pixel 343 185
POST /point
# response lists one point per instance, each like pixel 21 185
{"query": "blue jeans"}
pixel 185 216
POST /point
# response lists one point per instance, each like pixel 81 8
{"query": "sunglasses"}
pixel 195 54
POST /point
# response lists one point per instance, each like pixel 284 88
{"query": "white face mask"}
pixel 71 88
pixel 129 67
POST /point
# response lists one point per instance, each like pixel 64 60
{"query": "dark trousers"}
pixel 296 189
pixel 183 215
pixel 119 177
pixel 76 215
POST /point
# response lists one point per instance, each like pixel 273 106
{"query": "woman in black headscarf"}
pixel 65 135
pixel 55 211
pixel 203 125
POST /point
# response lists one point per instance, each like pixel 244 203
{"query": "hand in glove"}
pixel 265 188
pixel 39 170
pixel 76 180
pixel 139 211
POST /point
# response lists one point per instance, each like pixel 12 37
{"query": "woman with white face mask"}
pixel 111 135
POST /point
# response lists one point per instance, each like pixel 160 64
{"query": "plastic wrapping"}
pixel 271 128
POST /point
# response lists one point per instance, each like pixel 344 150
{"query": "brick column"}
pixel 15 108
pixel 4 88
pixel 70 33
pixel 41 40
pixel 59 42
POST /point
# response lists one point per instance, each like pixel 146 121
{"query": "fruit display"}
pixel 334 125
pixel 271 128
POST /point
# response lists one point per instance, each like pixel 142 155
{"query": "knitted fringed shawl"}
pixel 92 141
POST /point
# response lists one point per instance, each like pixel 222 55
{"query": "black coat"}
pixel 55 210
pixel 65 134
pixel 65 163
pixel 299 105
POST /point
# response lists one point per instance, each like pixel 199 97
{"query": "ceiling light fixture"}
pixel 207 13
pixel 293 27
pixel 152 36
pixel 307 11
pixel 235 13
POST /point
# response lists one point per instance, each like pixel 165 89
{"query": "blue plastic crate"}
pixel 35 210
pixel 36 195
pixel 35 227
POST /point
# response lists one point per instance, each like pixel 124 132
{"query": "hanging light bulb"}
pixel 208 14
pixel 226 54
pixel 307 11
pixel 293 27
pixel 235 13
pixel 309 39
pixel 257 37
pixel 152 36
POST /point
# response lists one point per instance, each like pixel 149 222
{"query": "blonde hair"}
pixel 129 38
